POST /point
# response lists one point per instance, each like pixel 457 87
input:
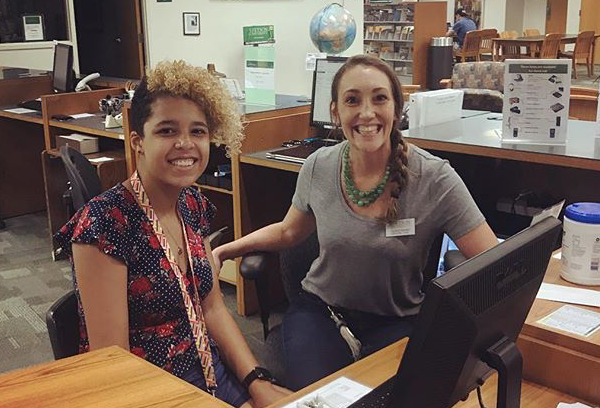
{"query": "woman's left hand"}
pixel 264 393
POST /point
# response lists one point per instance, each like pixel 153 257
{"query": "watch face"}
pixel 263 374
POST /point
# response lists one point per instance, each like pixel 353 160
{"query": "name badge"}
pixel 400 228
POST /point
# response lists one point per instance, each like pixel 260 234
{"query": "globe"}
pixel 332 29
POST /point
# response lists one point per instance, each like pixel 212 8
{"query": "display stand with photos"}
pixel 536 101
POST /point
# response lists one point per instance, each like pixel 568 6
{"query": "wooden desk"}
pixel 375 369
pixel 544 349
pixel 533 44
pixel 489 168
pixel 21 186
pixel 110 377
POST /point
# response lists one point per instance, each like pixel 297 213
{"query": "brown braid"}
pixel 398 162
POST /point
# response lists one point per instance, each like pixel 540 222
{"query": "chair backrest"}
pixel 62 320
pixel 550 46
pixel 583 44
pixel 530 32
pixel 487 35
pixel 294 263
pixel 509 34
pixel 471 44
pixel 85 183
pixel 478 75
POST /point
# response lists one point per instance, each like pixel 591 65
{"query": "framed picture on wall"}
pixel 191 23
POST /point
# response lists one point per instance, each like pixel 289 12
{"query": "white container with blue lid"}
pixel 581 244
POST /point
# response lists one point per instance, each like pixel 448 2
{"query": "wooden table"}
pixel 110 377
pixel 533 44
pixel 375 369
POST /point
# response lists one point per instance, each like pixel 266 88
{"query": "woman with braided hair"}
pixel 377 204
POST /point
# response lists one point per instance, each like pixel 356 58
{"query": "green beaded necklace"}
pixel 359 197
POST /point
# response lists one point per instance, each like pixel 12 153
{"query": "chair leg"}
pixel 262 288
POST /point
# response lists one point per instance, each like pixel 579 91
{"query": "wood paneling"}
pixel 589 20
pixel 430 21
pixel 556 16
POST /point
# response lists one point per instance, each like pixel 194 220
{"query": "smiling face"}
pixel 175 146
pixel 365 108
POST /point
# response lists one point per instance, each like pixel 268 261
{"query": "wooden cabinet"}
pixel 400 33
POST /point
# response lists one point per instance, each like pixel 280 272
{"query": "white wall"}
pixel 514 16
pixel 534 15
pixel 221 41
pixel 494 14
pixel 573 8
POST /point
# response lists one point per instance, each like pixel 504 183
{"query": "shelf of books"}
pixel 399 33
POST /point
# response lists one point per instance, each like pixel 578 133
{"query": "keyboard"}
pixel 378 398
pixel 298 154
pixel 33 105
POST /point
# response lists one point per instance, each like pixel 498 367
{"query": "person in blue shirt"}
pixel 463 25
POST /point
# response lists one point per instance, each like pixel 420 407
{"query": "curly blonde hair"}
pixel 177 78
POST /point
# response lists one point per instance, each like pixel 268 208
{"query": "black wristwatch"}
pixel 258 373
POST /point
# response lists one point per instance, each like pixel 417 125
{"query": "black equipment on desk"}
pixel 468 326
pixel 299 153
pixel 62 75
pixel 325 70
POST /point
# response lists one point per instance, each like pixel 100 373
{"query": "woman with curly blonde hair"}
pixel 143 268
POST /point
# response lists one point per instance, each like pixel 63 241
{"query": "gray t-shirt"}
pixel 358 267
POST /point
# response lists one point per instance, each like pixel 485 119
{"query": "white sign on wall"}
pixel 536 101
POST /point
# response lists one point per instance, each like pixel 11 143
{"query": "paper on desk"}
pixel 567 294
pixel 339 393
pixel 101 159
pixel 573 319
pixel 82 115
pixel 573 405
pixel 20 110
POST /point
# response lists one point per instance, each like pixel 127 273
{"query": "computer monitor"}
pixel 469 323
pixel 325 70
pixel 62 72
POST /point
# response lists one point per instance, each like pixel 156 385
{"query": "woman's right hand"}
pixel 218 258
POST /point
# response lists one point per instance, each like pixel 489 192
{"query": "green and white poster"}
pixel 259 70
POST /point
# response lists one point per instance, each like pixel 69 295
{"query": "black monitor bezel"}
pixel 69 83
pixel 319 124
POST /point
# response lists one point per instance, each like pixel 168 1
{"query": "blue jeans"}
pixel 229 389
pixel 313 347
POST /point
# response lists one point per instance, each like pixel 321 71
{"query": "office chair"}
pixel 62 321
pixel 294 263
pixel 83 178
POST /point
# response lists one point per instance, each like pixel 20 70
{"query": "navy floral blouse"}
pixel 159 329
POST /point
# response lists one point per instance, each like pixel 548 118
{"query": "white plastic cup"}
pixel 581 244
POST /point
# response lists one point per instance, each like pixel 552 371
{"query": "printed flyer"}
pixel 536 101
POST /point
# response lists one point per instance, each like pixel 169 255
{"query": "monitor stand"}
pixel 506 359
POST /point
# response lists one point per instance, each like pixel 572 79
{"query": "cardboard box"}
pixel 83 143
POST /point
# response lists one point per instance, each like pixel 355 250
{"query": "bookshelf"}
pixel 399 32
